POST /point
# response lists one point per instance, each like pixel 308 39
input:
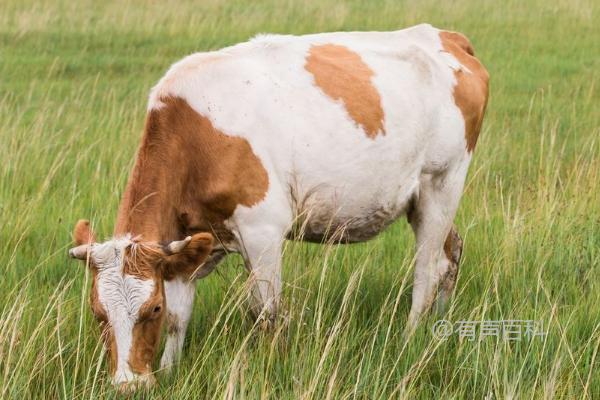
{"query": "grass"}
pixel 73 87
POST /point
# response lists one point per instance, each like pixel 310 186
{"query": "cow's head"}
pixel 127 295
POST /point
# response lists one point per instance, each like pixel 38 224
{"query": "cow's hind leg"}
pixel 431 218
pixel 179 294
pixel 452 251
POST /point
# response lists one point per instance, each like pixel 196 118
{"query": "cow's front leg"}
pixel 262 254
pixel 179 294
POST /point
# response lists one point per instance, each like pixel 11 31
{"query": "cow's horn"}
pixel 79 252
pixel 177 246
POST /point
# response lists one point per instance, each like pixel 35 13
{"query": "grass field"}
pixel 74 78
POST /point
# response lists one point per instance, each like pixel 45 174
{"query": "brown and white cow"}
pixel 320 137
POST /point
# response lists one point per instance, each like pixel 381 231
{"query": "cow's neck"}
pixel 185 177
pixel 189 177
pixel 148 205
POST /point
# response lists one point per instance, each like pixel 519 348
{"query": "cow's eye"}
pixel 151 312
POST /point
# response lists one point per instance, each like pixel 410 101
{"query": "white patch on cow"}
pixel 121 295
pixel 180 294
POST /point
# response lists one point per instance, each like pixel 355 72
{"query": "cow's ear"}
pixel 83 236
pixel 197 246
pixel 82 233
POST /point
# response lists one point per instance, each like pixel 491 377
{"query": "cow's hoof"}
pixel 166 365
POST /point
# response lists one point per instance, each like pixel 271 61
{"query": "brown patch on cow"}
pixel 172 324
pixel 471 89
pixel 453 251
pixel 146 337
pixel 82 233
pixel 142 260
pixel 187 167
pixel 343 75
pixel 146 332
pixel 453 246
pixel 190 260
pixel 151 260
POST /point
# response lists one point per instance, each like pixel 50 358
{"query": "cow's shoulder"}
pixel 222 168
pixel 471 87
pixel 182 73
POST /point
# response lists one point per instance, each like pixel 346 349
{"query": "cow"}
pixel 325 137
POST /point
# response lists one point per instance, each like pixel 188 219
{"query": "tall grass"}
pixel 74 77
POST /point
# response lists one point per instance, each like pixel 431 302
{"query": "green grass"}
pixel 74 78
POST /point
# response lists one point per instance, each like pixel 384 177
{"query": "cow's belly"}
pixel 350 214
